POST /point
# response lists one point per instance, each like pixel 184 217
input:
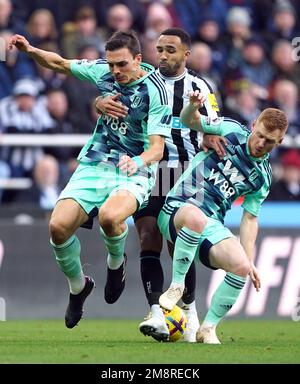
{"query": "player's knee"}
pixel 194 221
pixel 58 231
pixel 151 239
pixel 108 218
pixel 242 268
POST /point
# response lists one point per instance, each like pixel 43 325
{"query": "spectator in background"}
pixel 61 10
pixel 282 24
pixel 45 189
pixel 137 11
pixel 256 67
pixel 118 17
pixel 200 61
pixel 170 7
pixel 158 19
pixel 58 108
pixel 81 93
pixel 23 112
pixel 242 106
pixel 16 65
pixel 7 20
pixel 286 97
pixel 287 188
pixel 149 50
pixel 238 32
pixel 82 31
pixel 285 67
pixel 41 27
pixel 192 13
pixel 209 33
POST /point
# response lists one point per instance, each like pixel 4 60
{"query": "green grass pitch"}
pixel 119 341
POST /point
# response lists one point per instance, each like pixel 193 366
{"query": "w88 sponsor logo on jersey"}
pixel 226 187
pixel 116 124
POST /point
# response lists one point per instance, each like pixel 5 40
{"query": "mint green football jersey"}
pixel 148 114
pixel 213 184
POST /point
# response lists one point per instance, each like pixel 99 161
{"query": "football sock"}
pixel 224 298
pixel 189 306
pixel 152 275
pixel 190 285
pixel 68 259
pixel 77 283
pixel 115 246
pixel 184 252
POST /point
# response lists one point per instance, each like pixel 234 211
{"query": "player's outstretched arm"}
pixel 248 235
pixel 47 59
pixel 190 115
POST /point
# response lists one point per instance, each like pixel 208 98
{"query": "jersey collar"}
pixel 175 78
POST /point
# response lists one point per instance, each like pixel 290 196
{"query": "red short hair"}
pixel 273 119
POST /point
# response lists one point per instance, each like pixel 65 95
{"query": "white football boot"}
pixel 169 299
pixel 207 335
pixel 155 325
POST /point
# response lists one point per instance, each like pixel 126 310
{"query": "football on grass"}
pixel 176 322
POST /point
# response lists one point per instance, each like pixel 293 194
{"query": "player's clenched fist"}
pixel 128 165
pixel 197 99
pixel 19 42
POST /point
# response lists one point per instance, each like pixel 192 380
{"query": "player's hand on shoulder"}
pixel 197 99
pixel 111 106
pixel 215 142
pixel 19 42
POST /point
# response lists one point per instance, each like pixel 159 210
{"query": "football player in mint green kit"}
pixel 117 166
pixel 193 214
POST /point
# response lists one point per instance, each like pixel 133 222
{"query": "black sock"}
pixel 190 285
pixel 152 275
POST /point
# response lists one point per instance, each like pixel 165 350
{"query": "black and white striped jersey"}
pixel 13 120
pixel 184 143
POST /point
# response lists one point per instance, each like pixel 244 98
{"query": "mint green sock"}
pixel 68 256
pixel 224 298
pixel 115 247
pixel 186 245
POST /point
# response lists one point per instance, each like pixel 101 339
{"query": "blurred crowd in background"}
pixel 249 51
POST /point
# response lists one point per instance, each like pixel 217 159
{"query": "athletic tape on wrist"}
pixel 138 161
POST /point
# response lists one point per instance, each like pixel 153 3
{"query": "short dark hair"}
pixel 121 39
pixel 184 37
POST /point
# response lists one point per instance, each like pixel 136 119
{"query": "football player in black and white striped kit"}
pixel 173 49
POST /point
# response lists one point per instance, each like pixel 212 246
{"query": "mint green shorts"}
pixel 91 184
pixel 213 233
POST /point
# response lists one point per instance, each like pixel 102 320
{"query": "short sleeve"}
pixel 220 126
pixel 90 70
pixel 160 114
pixel 211 125
pixel 254 200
